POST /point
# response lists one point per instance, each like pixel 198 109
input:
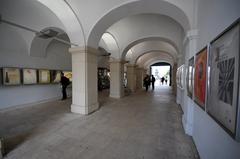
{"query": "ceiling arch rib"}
pixel 145 47
pixel 153 56
pixel 68 18
pixel 155 40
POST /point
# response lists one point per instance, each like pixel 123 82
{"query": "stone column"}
pixel 116 78
pixel 139 81
pixel 191 42
pixel 84 82
pixel 131 77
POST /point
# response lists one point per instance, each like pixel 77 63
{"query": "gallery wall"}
pixel 210 138
pixel 14 53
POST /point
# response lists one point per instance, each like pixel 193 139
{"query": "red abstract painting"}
pixel 200 77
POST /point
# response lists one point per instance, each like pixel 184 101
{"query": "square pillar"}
pixel 131 77
pixel 116 78
pixel 140 76
pixel 84 82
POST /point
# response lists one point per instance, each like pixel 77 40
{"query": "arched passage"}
pixel 134 8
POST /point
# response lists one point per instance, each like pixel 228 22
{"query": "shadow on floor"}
pixel 10 143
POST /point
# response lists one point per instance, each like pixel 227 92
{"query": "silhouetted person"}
pixel 166 81
pixel 64 82
pixel 162 80
pixel 146 82
pixel 153 82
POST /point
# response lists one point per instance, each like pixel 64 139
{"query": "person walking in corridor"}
pixel 146 82
pixel 64 82
pixel 153 82
pixel 162 80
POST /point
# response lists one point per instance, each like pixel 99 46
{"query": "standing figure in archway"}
pixel 64 82
pixel 146 82
pixel 162 80
pixel 153 82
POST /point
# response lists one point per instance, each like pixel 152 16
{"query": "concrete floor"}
pixel 140 126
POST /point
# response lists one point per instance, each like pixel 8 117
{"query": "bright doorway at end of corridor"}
pixel 162 73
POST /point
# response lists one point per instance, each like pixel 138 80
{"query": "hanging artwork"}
pixel 200 77
pixel 29 76
pixel 11 76
pixel 68 74
pixel 55 76
pixel 224 79
pixel 180 76
pixel 44 76
pixel 190 71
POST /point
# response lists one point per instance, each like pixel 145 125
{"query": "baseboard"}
pixel 29 104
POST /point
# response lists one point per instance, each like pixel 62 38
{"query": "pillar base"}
pixel 84 110
pixel 115 96
pixel 188 127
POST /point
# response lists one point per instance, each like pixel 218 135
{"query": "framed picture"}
pixel 68 74
pixel 190 73
pixel 55 76
pixel 223 84
pixel 200 78
pixel 44 76
pixel 180 76
pixel 1 77
pixel 29 76
pixel 11 76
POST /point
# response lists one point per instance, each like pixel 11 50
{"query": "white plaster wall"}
pixel 211 140
pixel 14 52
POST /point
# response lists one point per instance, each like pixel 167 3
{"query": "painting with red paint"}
pixel 200 78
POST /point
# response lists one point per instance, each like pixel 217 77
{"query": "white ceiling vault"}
pixel 121 27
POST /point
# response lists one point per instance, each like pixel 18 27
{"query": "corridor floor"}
pixel 145 125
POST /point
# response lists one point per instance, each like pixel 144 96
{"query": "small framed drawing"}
pixel 223 84
pixel 55 76
pixel 11 76
pixel 68 74
pixel 200 78
pixel 44 76
pixel 29 76
pixel 189 79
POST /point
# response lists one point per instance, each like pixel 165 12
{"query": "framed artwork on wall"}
pixel 11 76
pixel 223 89
pixel 180 76
pixel 44 76
pixel 29 76
pixel 68 74
pixel 1 77
pixel 189 79
pixel 55 76
pixel 200 78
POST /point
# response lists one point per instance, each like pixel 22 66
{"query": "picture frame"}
pixel 190 75
pixel 223 83
pixel 11 76
pixel 55 76
pixel 29 76
pixel 1 77
pixel 180 76
pixel 44 76
pixel 200 77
